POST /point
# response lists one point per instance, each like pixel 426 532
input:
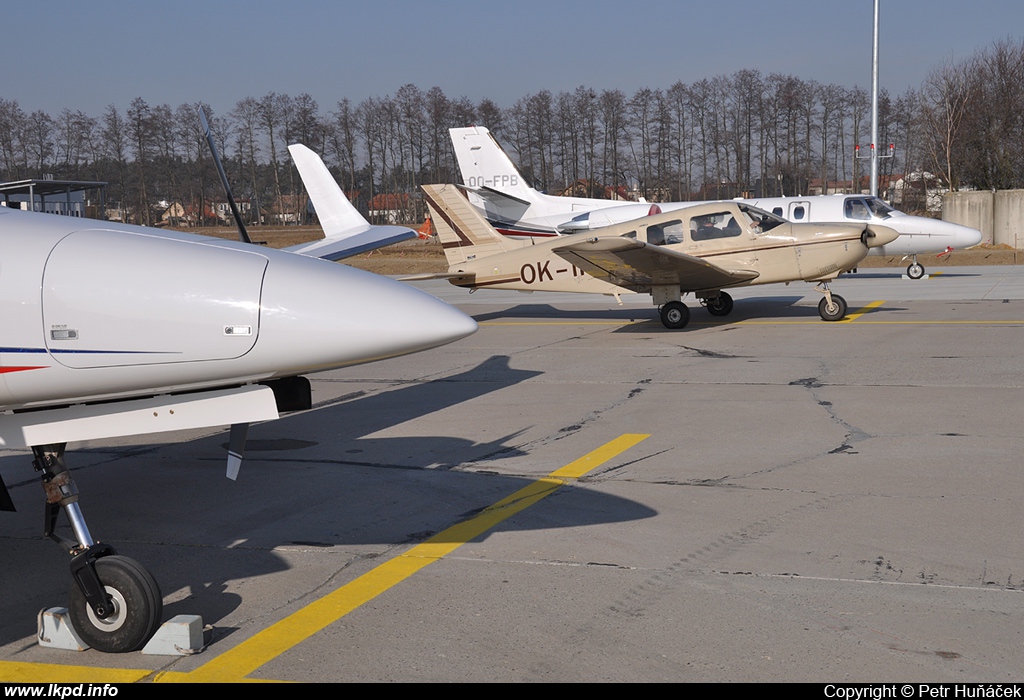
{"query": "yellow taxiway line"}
pixel 236 663
pixel 850 318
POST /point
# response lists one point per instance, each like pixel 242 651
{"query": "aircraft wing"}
pixel 494 196
pixel 634 264
pixel 346 232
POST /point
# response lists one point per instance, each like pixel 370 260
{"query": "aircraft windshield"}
pixel 864 208
pixel 759 219
pixel 879 208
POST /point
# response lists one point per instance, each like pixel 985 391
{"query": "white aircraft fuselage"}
pixel 99 311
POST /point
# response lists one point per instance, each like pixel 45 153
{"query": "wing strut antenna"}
pixel 242 233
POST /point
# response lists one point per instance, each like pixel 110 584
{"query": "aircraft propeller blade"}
pixel 242 233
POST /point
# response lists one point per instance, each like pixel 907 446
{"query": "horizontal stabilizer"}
pixel 354 243
pixel 346 232
pixel 432 276
pixel 494 196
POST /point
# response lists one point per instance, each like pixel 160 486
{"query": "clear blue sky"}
pixel 87 55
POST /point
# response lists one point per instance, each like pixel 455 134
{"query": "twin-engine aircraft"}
pixel 702 250
pixel 515 208
pixel 112 330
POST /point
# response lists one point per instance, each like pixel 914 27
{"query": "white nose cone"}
pixel 317 315
pixel 959 236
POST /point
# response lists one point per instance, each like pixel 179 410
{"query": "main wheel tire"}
pixel 675 315
pixel 720 305
pixel 137 604
pixel 834 311
pixel 915 271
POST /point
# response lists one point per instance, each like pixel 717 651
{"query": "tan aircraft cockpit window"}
pixel 666 234
pixel 711 226
pixel 759 220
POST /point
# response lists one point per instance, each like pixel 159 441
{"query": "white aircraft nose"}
pixel 317 315
pixel 959 236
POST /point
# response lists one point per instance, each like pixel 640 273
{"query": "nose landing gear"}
pixel 832 307
pixel 115 604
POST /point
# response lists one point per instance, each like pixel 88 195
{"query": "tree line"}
pixel 731 135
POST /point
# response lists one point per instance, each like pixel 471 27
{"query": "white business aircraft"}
pixel 112 330
pixel 515 208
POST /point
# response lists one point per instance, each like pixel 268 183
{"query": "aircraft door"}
pixel 799 211
pixel 111 298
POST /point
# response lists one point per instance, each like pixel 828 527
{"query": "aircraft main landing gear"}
pixel 915 270
pixel 720 305
pixel 674 315
pixel 115 604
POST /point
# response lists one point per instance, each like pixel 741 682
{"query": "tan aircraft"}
pixel 700 250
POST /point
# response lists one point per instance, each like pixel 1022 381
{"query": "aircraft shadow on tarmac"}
pixel 889 274
pixel 316 481
pixel 645 320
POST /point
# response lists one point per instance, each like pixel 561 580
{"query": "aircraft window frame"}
pixel 798 212
pixel 760 220
pixel 849 213
pixel 714 226
pixel 878 207
pixel 668 233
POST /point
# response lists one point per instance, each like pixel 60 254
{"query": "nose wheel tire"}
pixel 720 305
pixel 915 271
pixel 675 315
pixel 834 311
pixel 137 605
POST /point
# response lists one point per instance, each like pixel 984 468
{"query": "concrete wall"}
pixel 1008 218
pixel 972 209
pixel 998 215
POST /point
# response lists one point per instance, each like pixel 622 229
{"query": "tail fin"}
pixel 465 234
pixel 346 232
pixel 486 167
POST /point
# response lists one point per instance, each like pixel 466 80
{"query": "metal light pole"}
pixel 874 155
pixel 874 110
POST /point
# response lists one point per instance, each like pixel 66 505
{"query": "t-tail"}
pixel 497 188
pixel 488 172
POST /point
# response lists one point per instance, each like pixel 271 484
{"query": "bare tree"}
pixel 73 136
pixel 246 117
pixel 115 138
pixel 39 142
pixel 12 125
pixel 944 98
pixel 342 140
pixel 992 152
